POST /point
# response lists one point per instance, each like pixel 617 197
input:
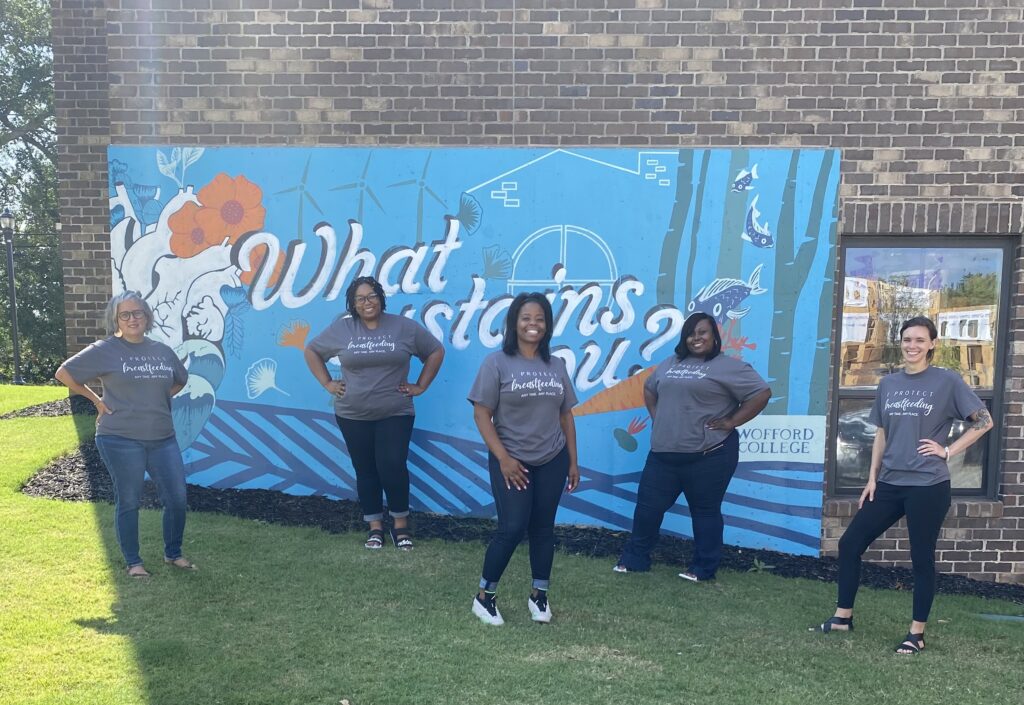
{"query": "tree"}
pixel 26 82
pixel 898 301
pixel 972 290
pixel 28 179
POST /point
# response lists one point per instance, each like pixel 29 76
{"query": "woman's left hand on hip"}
pixel 724 424
pixel 410 390
pixel 926 446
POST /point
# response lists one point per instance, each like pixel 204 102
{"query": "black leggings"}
pixel 529 511
pixel 925 509
pixel 379 451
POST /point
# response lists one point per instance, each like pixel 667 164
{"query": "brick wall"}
pixel 81 86
pixel 925 103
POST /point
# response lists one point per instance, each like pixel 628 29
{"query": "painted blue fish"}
pixel 720 298
pixel 744 179
pixel 755 233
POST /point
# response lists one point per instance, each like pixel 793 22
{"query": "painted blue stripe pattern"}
pixel 244 445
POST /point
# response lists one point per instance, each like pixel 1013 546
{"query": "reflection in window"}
pixel 855 435
pixel 959 289
pixel 956 288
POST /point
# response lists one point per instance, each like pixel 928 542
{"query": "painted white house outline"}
pixel 648 164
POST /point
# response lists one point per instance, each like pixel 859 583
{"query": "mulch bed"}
pixel 81 476
pixel 60 407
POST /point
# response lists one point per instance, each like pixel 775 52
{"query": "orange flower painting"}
pixel 228 207
pixel 188 238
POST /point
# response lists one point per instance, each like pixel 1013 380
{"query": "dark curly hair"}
pixel 510 345
pixel 350 294
pixel 690 325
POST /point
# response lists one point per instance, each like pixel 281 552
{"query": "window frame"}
pixel 993 466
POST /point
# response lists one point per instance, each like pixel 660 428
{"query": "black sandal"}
pixel 374 540
pixel 912 645
pixel 402 538
pixel 826 626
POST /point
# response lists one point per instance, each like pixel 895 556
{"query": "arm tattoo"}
pixel 981 420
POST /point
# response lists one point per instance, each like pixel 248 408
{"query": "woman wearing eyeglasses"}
pixel 134 430
pixel 373 399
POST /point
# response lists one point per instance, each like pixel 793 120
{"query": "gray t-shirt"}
pixel 373 363
pixel 691 392
pixel 137 380
pixel 527 397
pixel 912 407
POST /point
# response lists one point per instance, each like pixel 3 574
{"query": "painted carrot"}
pixel 627 394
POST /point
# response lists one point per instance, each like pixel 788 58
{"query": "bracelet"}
pixel 947 452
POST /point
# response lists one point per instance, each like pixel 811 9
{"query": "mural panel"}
pixel 245 253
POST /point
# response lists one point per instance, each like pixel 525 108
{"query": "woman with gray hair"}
pixel 134 430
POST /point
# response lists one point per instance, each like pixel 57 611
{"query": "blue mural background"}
pixel 244 254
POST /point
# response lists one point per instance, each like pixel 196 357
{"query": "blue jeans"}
pixel 380 453
pixel 703 478
pixel 530 511
pixel 127 462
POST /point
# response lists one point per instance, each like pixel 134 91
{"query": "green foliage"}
pixel 26 81
pixel 973 290
pixel 947 356
pixel 759 566
pixel 28 179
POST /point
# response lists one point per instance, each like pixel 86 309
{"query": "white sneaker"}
pixel 487 611
pixel 693 578
pixel 540 610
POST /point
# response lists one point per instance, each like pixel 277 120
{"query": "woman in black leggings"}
pixel 522 404
pixel 914 410
pixel 373 399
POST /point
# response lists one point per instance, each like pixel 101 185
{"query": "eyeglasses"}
pixel 128 315
pixel 368 299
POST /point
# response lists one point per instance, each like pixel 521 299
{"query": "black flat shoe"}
pixel 402 538
pixel 912 645
pixel 829 624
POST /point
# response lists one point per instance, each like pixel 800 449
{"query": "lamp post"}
pixel 7 228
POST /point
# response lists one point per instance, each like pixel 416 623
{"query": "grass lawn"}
pixel 17 397
pixel 283 615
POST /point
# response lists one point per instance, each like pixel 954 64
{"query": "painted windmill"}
pixel 421 184
pixel 304 196
pixel 363 188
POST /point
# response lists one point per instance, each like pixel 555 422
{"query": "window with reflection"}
pixel 961 289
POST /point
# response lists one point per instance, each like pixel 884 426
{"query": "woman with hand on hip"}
pixel 914 410
pixel 134 429
pixel 373 400
pixel 697 398
pixel 522 405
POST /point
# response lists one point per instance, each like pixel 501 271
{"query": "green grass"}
pixel 283 615
pixel 19 396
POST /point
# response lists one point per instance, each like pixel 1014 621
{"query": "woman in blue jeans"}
pixel 134 430
pixel 373 399
pixel 697 398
